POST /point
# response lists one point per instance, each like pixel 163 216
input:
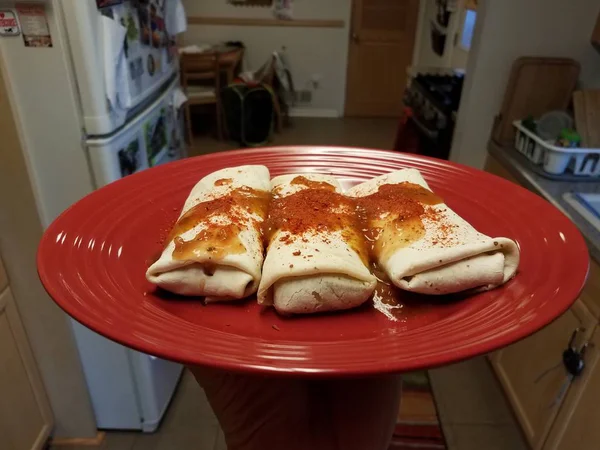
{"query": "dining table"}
pixel 230 57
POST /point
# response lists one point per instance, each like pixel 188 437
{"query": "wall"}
pixel 310 51
pixel 45 122
pixel 506 30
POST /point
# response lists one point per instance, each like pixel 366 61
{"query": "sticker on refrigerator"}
pixel 173 128
pixel 8 23
pixel 157 24
pixel 144 20
pixel 151 65
pixel 129 158
pixel 156 138
pixel 132 29
pixel 136 71
pixel 34 26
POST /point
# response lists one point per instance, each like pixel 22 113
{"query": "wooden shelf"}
pixel 243 22
pixel 471 4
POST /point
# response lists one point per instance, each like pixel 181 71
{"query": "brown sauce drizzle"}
pixel 223 181
pixel 220 240
pixel 391 218
pixel 217 242
pixel 303 181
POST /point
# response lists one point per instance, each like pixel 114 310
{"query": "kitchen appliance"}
pixel 97 100
pixel 434 99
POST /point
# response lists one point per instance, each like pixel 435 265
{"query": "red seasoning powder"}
pixel 318 211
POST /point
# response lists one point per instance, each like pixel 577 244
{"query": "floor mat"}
pixel 418 425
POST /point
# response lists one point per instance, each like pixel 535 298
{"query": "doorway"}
pixel 381 45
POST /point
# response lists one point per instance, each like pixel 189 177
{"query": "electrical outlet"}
pixel 315 80
pixel 304 96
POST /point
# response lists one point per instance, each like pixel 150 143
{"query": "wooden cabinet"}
pixel 575 426
pixel 471 4
pixel 493 166
pixel 555 414
pixel 596 35
pixel 25 415
pixel 532 374
pixel 591 292
pixel 3 279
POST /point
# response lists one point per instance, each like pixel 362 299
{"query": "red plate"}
pixel 93 258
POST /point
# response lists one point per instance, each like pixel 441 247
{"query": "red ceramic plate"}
pixel 93 258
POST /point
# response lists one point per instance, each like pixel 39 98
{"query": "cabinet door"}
pixel 532 373
pixel 493 166
pixel 591 291
pixel 25 416
pixel 3 280
pixel 576 424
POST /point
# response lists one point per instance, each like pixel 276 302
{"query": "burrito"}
pixel 422 245
pixel 317 257
pixel 215 249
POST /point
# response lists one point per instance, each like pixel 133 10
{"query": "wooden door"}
pixel 576 425
pixel 532 374
pixel 382 38
pixel 25 415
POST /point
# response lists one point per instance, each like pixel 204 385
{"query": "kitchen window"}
pixel 467 29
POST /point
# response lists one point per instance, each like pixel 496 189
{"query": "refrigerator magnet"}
pixel 9 26
pixel 34 25
pixel 151 65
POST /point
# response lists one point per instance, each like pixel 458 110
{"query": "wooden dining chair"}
pixel 201 82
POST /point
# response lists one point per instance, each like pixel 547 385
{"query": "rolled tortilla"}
pixel 438 252
pixel 316 259
pixel 215 249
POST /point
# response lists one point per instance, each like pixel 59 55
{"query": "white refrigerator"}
pixel 95 86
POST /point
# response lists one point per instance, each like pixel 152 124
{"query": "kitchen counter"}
pixel 552 191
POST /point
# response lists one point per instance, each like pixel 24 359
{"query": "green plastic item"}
pixel 569 138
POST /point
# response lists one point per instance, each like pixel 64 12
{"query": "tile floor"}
pixel 472 408
pixel 369 133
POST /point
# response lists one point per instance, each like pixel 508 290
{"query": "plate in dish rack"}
pixel 92 261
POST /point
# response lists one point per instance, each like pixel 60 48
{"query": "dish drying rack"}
pixel 557 162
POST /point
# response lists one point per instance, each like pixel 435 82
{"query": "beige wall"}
pixel 310 51
pixel 506 30
pixel 47 327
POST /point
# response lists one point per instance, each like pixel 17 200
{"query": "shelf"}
pixel 244 22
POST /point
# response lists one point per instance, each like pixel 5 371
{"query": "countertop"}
pixel 552 191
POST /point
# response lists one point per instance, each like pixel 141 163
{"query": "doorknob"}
pixel 355 37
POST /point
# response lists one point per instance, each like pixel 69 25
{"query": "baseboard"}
pixel 87 442
pixel 314 112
